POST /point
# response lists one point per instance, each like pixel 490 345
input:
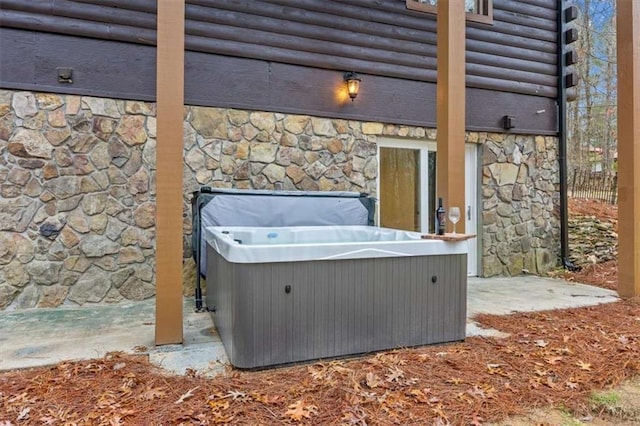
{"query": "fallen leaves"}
pixel 585 366
pixel 237 395
pixel 549 358
pixel 219 413
pixel 599 209
pixel 553 360
pixel 354 416
pixel 541 343
pixel 372 380
pixel 299 410
pixel 395 375
pixel 152 393
pixel 571 385
pixel 188 394
pixel 605 273
pixel 24 414
pixel 421 396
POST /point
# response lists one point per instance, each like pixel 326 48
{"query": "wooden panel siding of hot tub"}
pixel 335 308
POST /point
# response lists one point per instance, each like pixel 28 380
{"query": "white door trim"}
pixel 471 206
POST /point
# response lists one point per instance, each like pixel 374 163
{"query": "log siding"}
pixel 483 12
pixel 516 54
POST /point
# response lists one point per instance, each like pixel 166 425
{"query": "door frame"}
pixel 423 147
pixel 472 183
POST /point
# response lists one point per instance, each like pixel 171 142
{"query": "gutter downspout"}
pixel 562 142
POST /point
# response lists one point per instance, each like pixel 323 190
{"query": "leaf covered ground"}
pixel 601 274
pixel 550 359
pixel 596 208
pixel 554 358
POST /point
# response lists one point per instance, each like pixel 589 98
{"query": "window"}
pixel 477 10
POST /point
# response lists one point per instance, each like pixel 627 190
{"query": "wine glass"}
pixel 454 216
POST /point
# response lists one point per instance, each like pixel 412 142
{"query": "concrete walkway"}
pixel 38 337
pixel 506 295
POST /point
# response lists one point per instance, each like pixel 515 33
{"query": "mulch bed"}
pixel 599 209
pixel 603 275
pixel 554 358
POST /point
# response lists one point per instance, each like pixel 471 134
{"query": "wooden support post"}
pixel 451 106
pixel 628 23
pixel 170 107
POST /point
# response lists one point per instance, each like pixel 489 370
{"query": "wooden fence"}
pixel 594 185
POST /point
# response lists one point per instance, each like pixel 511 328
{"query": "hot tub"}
pixel 282 295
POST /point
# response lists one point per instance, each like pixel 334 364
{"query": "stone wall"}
pixel 77 188
pixel 520 204
pixel 77 185
pixel 77 199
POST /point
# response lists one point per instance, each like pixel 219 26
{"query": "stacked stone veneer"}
pixel 77 188
pixel 520 204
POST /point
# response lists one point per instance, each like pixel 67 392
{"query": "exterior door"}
pixel 407 190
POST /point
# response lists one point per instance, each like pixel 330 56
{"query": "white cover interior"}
pixel 240 244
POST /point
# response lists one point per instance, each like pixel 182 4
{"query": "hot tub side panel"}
pixel 218 296
pixel 335 308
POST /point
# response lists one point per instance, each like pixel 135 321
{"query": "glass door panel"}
pixel 400 176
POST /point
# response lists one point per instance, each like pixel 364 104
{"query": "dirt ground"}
pixel 599 209
pixel 553 359
pixel 617 406
pixel 603 274
pixel 563 367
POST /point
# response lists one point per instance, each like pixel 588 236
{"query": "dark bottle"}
pixel 440 217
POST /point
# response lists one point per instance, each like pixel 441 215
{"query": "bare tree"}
pixel 609 147
pixel 592 116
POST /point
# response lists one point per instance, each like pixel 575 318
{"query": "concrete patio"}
pixel 39 337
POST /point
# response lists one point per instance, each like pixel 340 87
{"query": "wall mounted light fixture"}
pixel 353 84
pixel 508 122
